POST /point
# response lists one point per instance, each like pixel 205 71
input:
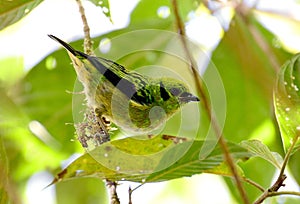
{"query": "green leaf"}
pixel 261 150
pixel 287 102
pixel 12 11
pixel 239 57
pixel 141 159
pixel 224 170
pixel 104 4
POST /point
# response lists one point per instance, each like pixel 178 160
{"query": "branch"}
pixel 279 182
pixel 284 193
pixel 112 187
pixel 212 117
pixel 88 45
pixel 259 187
pixel 130 195
pixel 272 190
pixel 88 49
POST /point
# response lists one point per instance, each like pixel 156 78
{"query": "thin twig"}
pixel 130 195
pixel 88 45
pixel 253 183
pixel 88 49
pixel 279 182
pixel 287 156
pixel 284 193
pixel 212 117
pixel 112 187
pixel 274 188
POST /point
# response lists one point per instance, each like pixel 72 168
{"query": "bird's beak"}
pixel 188 97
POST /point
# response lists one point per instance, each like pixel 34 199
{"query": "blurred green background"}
pixel 246 42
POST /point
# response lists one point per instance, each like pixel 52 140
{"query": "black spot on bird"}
pixel 163 92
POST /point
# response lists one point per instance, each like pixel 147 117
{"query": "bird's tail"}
pixel 69 48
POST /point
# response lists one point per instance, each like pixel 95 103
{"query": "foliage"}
pixel 12 11
pixel 35 108
pixel 143 160
pixel 287 105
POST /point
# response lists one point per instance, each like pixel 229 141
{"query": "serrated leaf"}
pixel 261 150
pixel 287 102
pixel 12 11
pixel 104 4
pixel 141 159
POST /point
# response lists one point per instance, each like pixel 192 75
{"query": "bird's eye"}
pixel 175 91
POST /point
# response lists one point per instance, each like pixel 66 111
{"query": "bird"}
pixel 136 103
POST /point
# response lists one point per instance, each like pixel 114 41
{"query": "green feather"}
pixel 134 102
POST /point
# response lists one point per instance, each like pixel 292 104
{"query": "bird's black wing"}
pixel 132 84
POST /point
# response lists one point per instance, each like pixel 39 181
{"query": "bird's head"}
pixel 173 91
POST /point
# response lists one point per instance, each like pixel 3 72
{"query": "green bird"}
pixel 134 102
